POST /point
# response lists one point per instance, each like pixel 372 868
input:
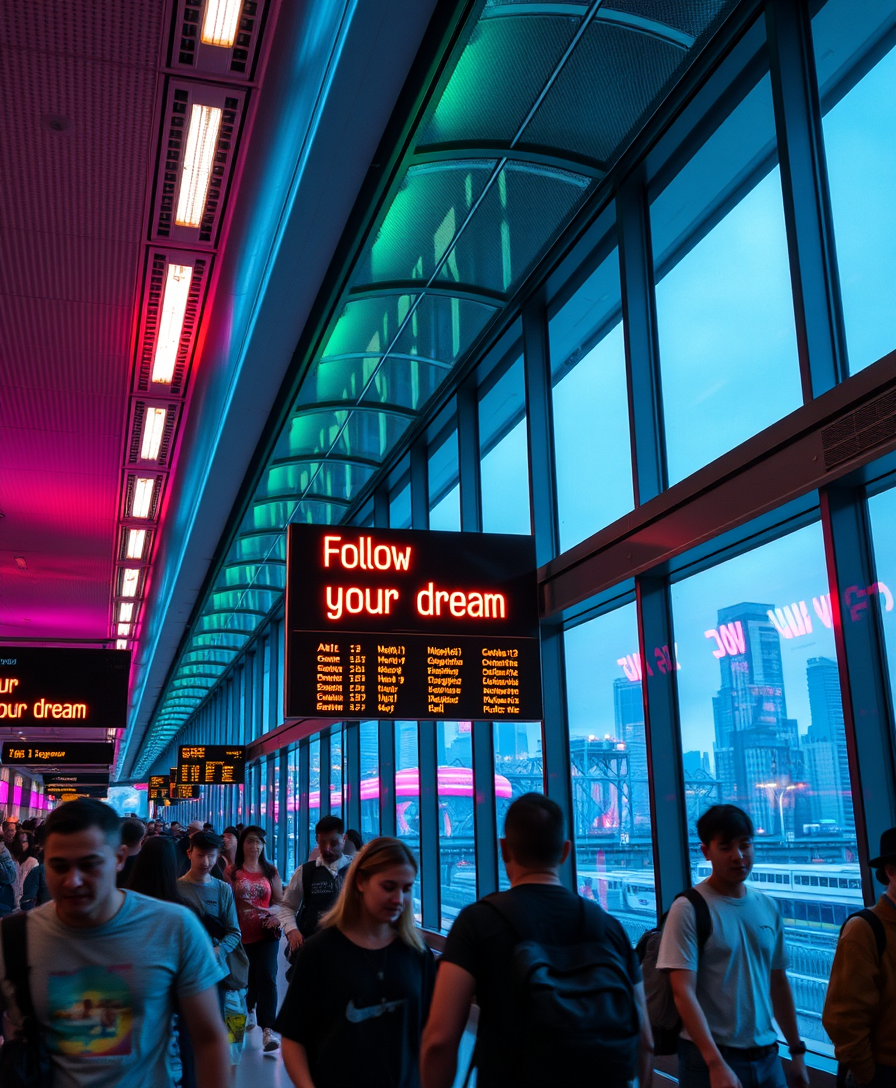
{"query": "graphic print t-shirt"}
pixel 356 1027
pixel 105 996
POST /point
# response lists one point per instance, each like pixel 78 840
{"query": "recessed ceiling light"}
pixel 220 22
pixel 142 499
pixel 153 429
pixel 202 140
pixel 20 562
pixel 171 323
pixel 136 543
pixel 129 580
pixel 125 612
pixel 124 629
pixel 121 644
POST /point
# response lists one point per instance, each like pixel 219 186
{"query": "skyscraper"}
pixel 825 748
pixel 628 706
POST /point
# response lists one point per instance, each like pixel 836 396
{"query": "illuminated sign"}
pixel 211 765
pixel 86 688
pixel 408 624
pixel 68 793
pixel 81 779
pixel 180 791
pixel 158 787
pixel 56 753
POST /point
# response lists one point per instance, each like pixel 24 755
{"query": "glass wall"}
pixel 762 727
pixel 444 490
pixel 519 769
pixel 407 794
pixel 728 354
pixel 504 454
pixel 608 765
pixel 314 809
pixel 457 853
pixel 370 789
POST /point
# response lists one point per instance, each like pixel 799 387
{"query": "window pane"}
pixel 444 492
pixel 762 723
pixel 400 509
pixel 336 773
pixel 370 788
pixel 882 510
pixel 292 790
pixel 591 426
pixel 313 794
pixel 860 147
pixel 456 840
pixel 608 754
pixel 407 796
pixel 728 350
pixel 504 453
pixel 519 769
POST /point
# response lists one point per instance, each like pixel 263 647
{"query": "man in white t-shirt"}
pixel 730 994
pixel 106 966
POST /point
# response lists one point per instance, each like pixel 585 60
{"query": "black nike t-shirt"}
pixel 358 1013
pixel 482 943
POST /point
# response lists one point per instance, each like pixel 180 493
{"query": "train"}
pixel 817 897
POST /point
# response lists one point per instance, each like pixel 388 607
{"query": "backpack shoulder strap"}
pixel 704 918
pixel 877 928
pixel 14 937
pixel 591 923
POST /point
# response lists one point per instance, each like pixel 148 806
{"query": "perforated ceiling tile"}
pixel 690 16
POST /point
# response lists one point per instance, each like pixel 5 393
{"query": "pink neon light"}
pixel 140 786
pixel 17 795
pixel 4 792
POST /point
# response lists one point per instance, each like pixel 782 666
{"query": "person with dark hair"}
pixel 156 870
pixel 258 890
pixel 353 842
pixel 132 834
pixel 229 838
pixel 106 965
pixel 729 993
pixel 315 886
pixel 860 1006
pixel 9 871
pixel 26 858
pixel 481 958
pixel 361 988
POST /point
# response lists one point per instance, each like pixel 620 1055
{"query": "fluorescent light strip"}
pixel 202 140
pixel 124 629
pixel 136 543
pixel 125 612
pixel 220 22
pixel 153 429
pixel 142 499
pixel 121 644
pixel 171 323
pixel 129 582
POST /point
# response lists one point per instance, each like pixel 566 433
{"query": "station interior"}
pixel 610 283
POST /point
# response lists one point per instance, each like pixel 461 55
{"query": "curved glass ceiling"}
pixel 536 104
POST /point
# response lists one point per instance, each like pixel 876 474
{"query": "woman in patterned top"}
pixel 257 888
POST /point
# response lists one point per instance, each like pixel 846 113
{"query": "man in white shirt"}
pixel 729 994
pixel 315 885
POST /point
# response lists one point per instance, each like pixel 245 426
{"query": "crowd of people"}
pixel 139 954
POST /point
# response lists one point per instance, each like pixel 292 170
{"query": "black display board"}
pixel 157 787
pixel 81 778
pixel 74 688
pixel 32 753
pixel 179 791
pixel 408 624
pixel 211 765
pixel 68 793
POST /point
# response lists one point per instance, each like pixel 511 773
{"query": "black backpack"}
pixel 664 1019
pixel 575 1009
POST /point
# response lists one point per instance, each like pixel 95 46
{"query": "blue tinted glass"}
pixel 608 755
pixel 882 509
pixel 444 492
pixel 762 727
pixel 454 752
pixel 407 796
pixel 519 769
pixel 728 351
pixel 591 424
pixel 504 451
pixel 370 782
pixel 860 146
pixel 400 509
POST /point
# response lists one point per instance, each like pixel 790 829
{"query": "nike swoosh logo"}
pixel 354 1015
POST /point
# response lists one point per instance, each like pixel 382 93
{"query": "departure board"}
pixel 58 753
pixel 211 765
pixel 157 787
pixel 82 778
pixel 67 792
pixel 408 624
pixel 181 791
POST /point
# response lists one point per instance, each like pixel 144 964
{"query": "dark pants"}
pixel 884 1077
pixel 262 994
pixel 752 1071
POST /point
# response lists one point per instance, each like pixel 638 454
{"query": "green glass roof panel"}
pixel 432 202
pixel 207 658
pixel 227 621
pixel 399 381
pixel 335 479
pixel 229 639
pixel 244 574
pixel 206 668
pixel 516 220
pixel 255 599
pixel 691 18
pixel 310 512
pixel 368 325
pixel 250 549
pixel 498 78
pixel 443 327
pixel 368 435
pixel 266 515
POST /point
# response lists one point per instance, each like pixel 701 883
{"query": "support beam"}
pixel 484 814
pixel 430 866
pixel 540 429
pixel 468 458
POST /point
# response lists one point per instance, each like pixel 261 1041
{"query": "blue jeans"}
pixel 765 1072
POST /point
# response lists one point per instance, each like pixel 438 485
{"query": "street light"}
pixel 780 790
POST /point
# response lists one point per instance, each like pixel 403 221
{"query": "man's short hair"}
pixel 329 824
pixel 205 840
pixel 81 815
pixel 132 831
pixel 726 822
pixel 534 830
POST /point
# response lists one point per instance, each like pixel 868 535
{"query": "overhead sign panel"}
pixel 211 765
pixel 158 787
pixel 82 778
pixel 58 753
pixel 68 793
pixel 75 688
pixel 178 791
pixel 409 624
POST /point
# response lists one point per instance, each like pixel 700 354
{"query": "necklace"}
pixel 378 969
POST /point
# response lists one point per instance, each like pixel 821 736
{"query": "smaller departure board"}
pixel 211 765
pixel 76 778
pixel 58 753
pixel 68 793
pixel 157 787
pixel 181 791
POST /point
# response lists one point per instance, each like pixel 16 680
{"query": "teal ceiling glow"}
pixel 537 103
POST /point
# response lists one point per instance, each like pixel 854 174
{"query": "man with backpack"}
pixel 729 991
pixel 315 885
pixel 556 979
pixel 860 1008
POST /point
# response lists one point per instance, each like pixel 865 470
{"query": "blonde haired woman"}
pixel 361 987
